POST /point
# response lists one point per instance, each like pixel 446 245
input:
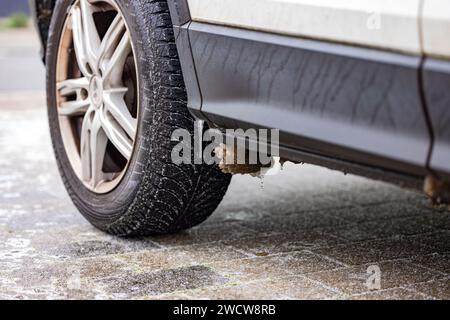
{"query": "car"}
pixel 357 86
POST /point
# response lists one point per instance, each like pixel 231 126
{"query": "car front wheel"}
pixel 115 94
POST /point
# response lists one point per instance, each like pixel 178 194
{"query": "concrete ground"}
pixel 308 233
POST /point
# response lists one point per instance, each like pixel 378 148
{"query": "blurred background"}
pixel 20 65
pixel 14 6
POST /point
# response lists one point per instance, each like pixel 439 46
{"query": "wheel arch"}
pixel 41 12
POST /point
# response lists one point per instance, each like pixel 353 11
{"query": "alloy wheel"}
pixel 97 93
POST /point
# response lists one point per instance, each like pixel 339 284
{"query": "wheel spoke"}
pixel 73 87
pixel 85 147
pixel 112 73
pixel 111 40
pixel 78 41
pixel 74 108
pixel 98 144
pixel 90 32
pixel 117 135
pixel 93 148
pixel 115 105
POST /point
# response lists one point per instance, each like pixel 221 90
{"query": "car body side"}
pixel 371 102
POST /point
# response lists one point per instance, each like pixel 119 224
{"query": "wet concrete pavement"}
pixel 310 233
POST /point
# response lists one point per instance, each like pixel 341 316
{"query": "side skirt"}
pixel 358 110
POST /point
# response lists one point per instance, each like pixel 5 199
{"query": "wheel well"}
pixel 42 11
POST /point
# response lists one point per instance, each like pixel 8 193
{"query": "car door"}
pixel 339 78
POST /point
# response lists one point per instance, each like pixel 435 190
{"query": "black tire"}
pixel 155 196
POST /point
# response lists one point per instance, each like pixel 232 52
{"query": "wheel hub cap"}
pixel 96 91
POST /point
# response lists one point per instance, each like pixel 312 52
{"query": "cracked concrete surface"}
pixel 310 233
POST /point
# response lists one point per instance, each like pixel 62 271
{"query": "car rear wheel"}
pixel 115 94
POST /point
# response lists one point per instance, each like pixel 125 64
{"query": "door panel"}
pixel 387 24
pixel 358 104
pixel 436 76
pixel 263 63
